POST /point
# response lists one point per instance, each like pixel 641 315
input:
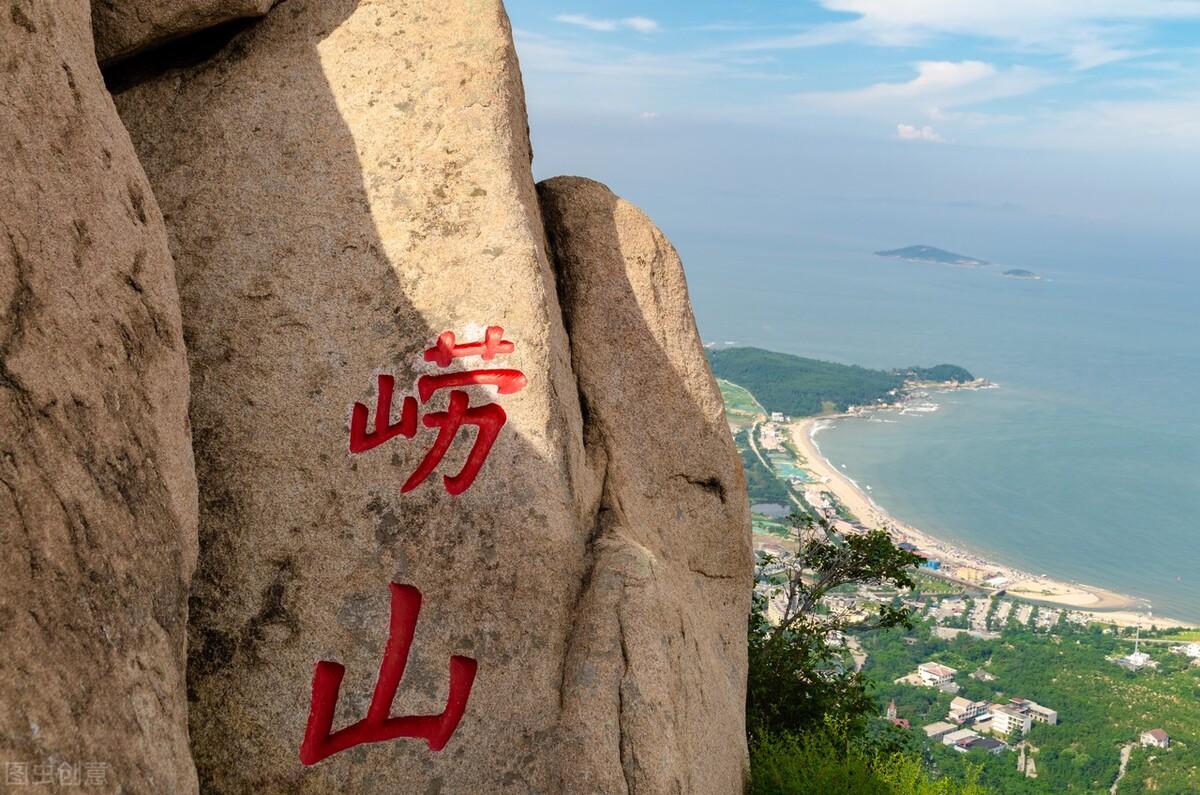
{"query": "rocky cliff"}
pixel 97 486
pixel 470 516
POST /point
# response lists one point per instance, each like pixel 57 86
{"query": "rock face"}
pixel 656 672
pixel 343 182
pixel 97 487
pixel 126 27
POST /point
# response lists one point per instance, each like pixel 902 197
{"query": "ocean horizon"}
pixel 1081 465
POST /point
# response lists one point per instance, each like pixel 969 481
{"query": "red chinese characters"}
pixel 488 419
pixel 319 739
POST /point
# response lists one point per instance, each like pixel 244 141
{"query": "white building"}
pixel 1009 720
pixel 953 738
pixel 1036 711
pixel 1156 738
pixel 963 710
pixel 1138 659
pixel 935 674
pixel 1190 649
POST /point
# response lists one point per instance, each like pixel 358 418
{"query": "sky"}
pixel 1041 133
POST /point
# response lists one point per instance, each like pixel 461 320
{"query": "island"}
pixel 936 256
pixel 1021 273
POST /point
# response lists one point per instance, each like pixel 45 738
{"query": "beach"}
pixel 1101 604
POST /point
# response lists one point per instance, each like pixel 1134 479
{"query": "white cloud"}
pixel 643 25
pixel 640 24
pixel 937 86
pixel 908 132
pixel 1088 33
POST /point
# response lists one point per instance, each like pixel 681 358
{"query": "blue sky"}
pixel 1032 126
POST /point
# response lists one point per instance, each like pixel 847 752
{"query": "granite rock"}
pixel 344 182
pixel 127 27
pixel 656 670
pixel 97 486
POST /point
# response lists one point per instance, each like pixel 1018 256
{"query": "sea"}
pixel 1084 463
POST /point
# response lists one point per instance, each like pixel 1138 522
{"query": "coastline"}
pixel 1098 603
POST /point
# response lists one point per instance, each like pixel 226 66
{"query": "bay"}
pixel 1084 464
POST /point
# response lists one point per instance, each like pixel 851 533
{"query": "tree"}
pixel 797 679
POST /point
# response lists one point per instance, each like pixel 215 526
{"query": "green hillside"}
pixel 798 386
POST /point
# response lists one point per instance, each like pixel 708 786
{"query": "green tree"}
pixel 797 678
pixel 828 760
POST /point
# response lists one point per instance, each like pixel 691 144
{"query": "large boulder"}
pixel 127 27
pixel 343 183
pixel 97 487
pixel 656 671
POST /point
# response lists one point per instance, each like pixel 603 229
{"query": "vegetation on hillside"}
pixel 1101 706
pixel 798 386
pixel 829 762
pixel 790 682
pixel 807 711
pixel 761 483
pixel 940 373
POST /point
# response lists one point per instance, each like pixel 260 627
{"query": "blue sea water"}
pixel 1084 464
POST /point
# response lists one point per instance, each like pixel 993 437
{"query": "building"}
pixel 992 746
pixel 963 710
pixel 969 573
pixel 1138 659
pixel 893 718
pixel 1156 738
pixel 937 730
pixel 1010 720
pixel 1035 710
pixel 935 674
pixel 1190 649
pixel 932 563
pixel 954 737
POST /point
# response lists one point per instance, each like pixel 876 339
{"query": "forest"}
pixel 799 387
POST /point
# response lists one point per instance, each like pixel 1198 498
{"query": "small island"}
pixel 932 255
pixel 1021 273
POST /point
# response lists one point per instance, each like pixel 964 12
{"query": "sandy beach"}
pixel 1102 604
